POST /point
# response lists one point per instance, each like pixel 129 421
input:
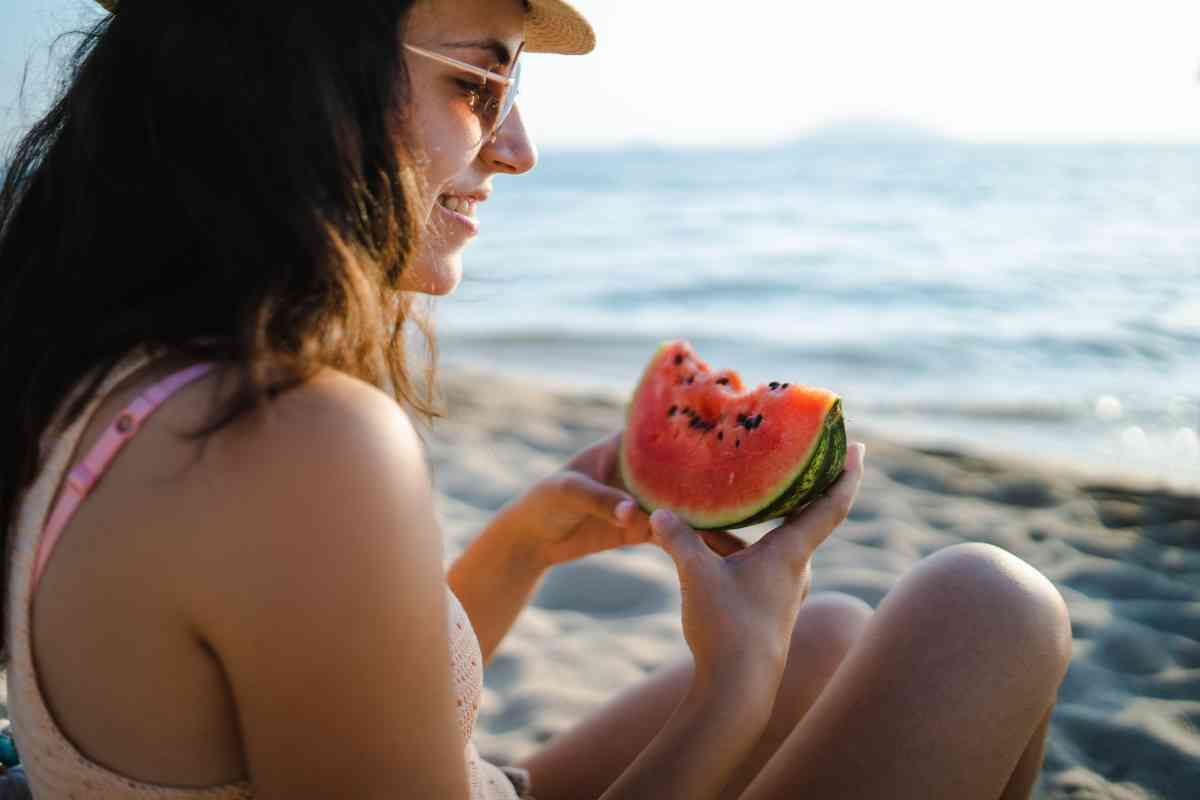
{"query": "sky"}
pixel 703 72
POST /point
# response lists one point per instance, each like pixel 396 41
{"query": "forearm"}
pixel 494 578
pixel 697 751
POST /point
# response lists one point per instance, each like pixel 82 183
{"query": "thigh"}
pixel 586 759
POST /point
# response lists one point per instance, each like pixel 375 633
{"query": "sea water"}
pixel 1036 300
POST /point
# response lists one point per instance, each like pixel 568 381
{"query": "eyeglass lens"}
pixel 497 102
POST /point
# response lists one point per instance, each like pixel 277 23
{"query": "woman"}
pixel 218 231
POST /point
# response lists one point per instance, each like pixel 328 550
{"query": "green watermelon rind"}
pixel 819 469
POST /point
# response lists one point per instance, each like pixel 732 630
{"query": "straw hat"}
pixel 552 26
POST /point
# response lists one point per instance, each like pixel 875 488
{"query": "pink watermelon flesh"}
pixel 721 455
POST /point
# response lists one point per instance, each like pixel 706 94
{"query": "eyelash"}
pixel 477 94
pixel 472 90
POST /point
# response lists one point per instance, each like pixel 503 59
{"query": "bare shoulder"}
pixel 329 464
pixel 321 591
pixel 332 420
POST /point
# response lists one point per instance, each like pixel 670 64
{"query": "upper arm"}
pixel 323 597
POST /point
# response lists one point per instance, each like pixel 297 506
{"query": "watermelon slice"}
pixel 720 455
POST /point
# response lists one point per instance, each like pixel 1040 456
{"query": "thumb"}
pixel 599 461
pixel 681 543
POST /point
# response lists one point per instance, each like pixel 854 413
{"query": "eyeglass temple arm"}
pixel 454 62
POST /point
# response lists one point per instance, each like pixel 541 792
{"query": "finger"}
pixel 680 542
pixel 598 499
pixel 723 543
pixel 607 469
pixel 599 460
pixel 804 531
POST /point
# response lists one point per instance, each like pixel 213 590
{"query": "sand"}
pixel 1125 556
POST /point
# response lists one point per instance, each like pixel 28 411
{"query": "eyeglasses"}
pixel 491 105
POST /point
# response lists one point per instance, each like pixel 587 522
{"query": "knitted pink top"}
pixel 55 767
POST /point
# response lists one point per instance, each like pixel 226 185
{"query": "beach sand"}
pixel 1125 557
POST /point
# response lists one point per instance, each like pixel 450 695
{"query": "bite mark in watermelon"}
pixel 723 456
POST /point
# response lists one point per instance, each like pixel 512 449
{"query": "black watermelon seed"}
pixel 691 379
pixel 678 360
pixel 671 411
pixel 785 386
pixel 722 381
pixel 758 420
pixel 741 418
pixel 773 384
pixel 738 443
pixel 720 435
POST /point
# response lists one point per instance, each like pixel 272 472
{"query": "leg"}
pixel 585 760
pixel 943 695
pixel 1024 778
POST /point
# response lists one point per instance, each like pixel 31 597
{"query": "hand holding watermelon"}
pixel 576 511
pixel 584 509
pixel 721 455
pixel 747 603
pixel 701 451
pixel 697 443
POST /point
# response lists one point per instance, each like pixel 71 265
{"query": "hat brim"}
pixel 552 26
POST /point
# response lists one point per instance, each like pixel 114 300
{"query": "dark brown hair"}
pixel 221 180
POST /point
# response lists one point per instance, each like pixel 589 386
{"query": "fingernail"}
pixel 625 510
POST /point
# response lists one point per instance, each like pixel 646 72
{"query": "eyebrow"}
pixel 495 46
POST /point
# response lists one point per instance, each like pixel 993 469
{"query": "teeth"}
pixel 461 205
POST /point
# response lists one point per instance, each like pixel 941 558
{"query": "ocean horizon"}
pixel 1036 300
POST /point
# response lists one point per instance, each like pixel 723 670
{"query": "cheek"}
pixel 446 145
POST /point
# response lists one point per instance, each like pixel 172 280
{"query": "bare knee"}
pixel 1000 604
pixel 827 626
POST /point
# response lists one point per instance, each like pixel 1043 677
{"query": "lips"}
pixel 461 204
pixel 460 210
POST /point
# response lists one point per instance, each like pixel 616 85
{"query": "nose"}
pixel 512 151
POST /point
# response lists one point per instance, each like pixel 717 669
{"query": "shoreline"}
pixel 873 428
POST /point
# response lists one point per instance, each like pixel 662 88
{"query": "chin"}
pixel 435 276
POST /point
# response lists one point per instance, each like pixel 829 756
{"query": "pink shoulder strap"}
pixel 83 476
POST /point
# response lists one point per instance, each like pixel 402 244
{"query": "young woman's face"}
pixel 456 160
